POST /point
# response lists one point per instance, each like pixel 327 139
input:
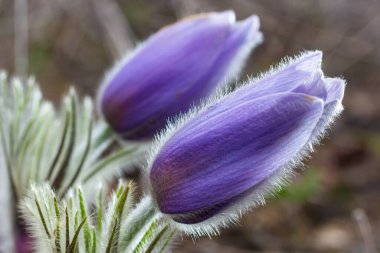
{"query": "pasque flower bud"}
pixel 175 68
pixel 218 162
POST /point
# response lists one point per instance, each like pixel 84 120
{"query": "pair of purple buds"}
pixel 223 157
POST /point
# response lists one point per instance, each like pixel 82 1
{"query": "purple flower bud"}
pixel 218 162
pixel 175 68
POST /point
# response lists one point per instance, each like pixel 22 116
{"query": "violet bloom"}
pixel 218 162
pixel 174 69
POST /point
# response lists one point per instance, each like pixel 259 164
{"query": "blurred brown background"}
pixel 334 206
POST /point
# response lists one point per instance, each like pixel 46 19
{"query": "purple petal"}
pixel 333 106
pixel 236 150
pixel 314 87
pixel 302 70
pixel 335 89
pixel 300 74
pixel 176 68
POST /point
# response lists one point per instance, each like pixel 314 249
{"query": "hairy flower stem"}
pixel 146 228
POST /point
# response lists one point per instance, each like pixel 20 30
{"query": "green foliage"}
pixel 73 225
pixel 62 147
